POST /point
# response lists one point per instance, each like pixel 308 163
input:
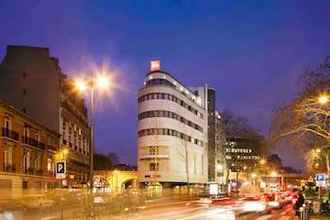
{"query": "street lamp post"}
pixel 323 99
pixel 101 82
pixel 91 167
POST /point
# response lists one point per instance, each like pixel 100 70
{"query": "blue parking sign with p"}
pixel 60 169
pixel 320 177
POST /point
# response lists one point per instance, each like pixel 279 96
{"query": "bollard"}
pixel 301 213
pixel 304 212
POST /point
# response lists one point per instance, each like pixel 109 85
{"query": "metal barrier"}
pixel 304 212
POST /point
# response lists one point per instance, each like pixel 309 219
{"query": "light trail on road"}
pixel 195 211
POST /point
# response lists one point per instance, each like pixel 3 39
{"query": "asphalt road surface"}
pixel 198 211
pixel 188 210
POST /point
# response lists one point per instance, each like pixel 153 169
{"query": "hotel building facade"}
pixel 172 131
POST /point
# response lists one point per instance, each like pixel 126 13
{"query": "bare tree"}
pixel 305 121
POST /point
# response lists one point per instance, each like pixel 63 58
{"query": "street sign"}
pixel 60 170
pixel 320 179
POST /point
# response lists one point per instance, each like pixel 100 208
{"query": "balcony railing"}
pixel 33 142
pixel 39 172
pixel 6 132
pixel 29 170
pixel 9 168
pixel 52 147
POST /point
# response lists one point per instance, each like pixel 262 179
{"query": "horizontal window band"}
pixel 169 132
pixel 170 97
pixel 169 114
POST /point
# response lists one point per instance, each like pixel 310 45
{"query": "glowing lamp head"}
pixel 273 173
pixel 262 161
pixel 219 167
pixel 323 99
pixel 65 151
pixel 102 82
pixel 80 85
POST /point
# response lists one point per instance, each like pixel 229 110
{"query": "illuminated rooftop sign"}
pixel 154 65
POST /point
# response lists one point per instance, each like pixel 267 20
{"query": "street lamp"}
pixel 80 85
pixel 219 167
pixel 102 82
pixel 323 99
pixel 273 173
pixel 262 162
pixel 62 154
pixel 99 82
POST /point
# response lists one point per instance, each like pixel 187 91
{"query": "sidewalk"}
pixel 320 218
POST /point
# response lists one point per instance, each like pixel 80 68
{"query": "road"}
pixel 199 211
pixel 173 210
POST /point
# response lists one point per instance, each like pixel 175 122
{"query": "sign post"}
pixel 60 170
pixel 320 179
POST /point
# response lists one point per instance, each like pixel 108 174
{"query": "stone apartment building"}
pixel 32 81
pixel 27 151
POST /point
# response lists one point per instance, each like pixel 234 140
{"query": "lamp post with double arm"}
pixel 91 85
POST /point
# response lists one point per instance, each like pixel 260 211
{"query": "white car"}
pixel 254 204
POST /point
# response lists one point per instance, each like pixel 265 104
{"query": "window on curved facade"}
pixel 163 82
pixel 168 114
pixel 170 132
pixel 172 98
pixel 153 166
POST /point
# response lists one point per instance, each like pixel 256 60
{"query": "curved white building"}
pixel 172 131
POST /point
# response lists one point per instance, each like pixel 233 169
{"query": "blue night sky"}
pixel 251 51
